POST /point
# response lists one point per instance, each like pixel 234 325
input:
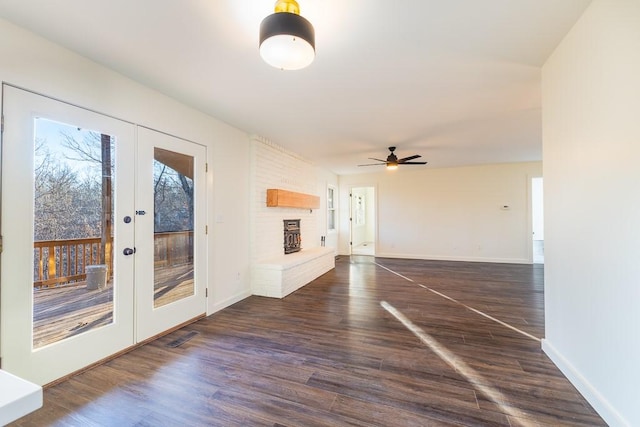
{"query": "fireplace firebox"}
pixel 292 237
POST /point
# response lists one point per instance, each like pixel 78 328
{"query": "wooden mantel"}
pixel 289 199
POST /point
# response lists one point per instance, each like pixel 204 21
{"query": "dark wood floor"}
pixel 360 346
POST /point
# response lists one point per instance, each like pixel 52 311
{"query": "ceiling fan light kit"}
pixel 393 162
pixel 287 40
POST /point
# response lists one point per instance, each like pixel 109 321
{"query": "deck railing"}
pixel 63 262
pixel 173 248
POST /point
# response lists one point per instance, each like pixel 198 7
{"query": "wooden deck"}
pixel 60 313
pixel 172 284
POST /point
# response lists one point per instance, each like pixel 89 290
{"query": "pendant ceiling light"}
pixel 287 40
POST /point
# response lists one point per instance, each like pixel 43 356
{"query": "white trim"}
pixel 453 258
pixel 227 302
pixel 588 391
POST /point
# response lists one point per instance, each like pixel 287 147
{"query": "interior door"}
pixel 66 281
pixel 170 233
pixel 362 224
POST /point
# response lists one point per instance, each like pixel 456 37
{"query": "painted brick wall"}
pixel 275 167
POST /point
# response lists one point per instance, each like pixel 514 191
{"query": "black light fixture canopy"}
pixel 287 40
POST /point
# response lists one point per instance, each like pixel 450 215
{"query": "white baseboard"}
pixel 227 302
pixel 588 391
pixel 454 258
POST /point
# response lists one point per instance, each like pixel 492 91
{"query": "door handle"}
pixel 129 251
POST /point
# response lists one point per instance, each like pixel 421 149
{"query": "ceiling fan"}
pixel 392 161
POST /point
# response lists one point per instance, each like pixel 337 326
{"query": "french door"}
pixel 83 275
pixel 169 233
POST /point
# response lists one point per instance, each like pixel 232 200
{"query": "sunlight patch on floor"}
pixel 485 315
pixel 471 375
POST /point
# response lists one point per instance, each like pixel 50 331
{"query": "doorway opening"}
pixel 363 221
pixel 537 220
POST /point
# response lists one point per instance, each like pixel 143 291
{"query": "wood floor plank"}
pixel 383 415
pixel 359 346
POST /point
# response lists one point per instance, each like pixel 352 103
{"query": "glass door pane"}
pixel 73 232
pixel 172 226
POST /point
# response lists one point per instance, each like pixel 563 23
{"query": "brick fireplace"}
pixel 279 263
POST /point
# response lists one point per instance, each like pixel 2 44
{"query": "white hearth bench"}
pixel 278 277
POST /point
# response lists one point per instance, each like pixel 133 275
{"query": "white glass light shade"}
pixel 287 52
pixel 287 41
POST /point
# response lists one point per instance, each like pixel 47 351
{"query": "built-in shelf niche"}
pixel 290 199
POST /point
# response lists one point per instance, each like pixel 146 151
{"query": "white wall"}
pixel 276 167
pixel 36 64
pixel 450 213
pixel 591 128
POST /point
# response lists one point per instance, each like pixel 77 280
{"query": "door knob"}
pixel 128 251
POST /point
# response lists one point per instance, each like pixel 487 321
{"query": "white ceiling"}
pixel 457 81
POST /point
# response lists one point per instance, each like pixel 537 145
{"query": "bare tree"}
pixel 89 149
pixel 173 199
pixel 78 194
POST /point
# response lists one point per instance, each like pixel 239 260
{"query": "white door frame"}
pixel 370 206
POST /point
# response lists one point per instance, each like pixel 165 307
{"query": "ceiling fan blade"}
pixel 377 160
pixel 374 164
pixel 415 156
pixel 413 163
